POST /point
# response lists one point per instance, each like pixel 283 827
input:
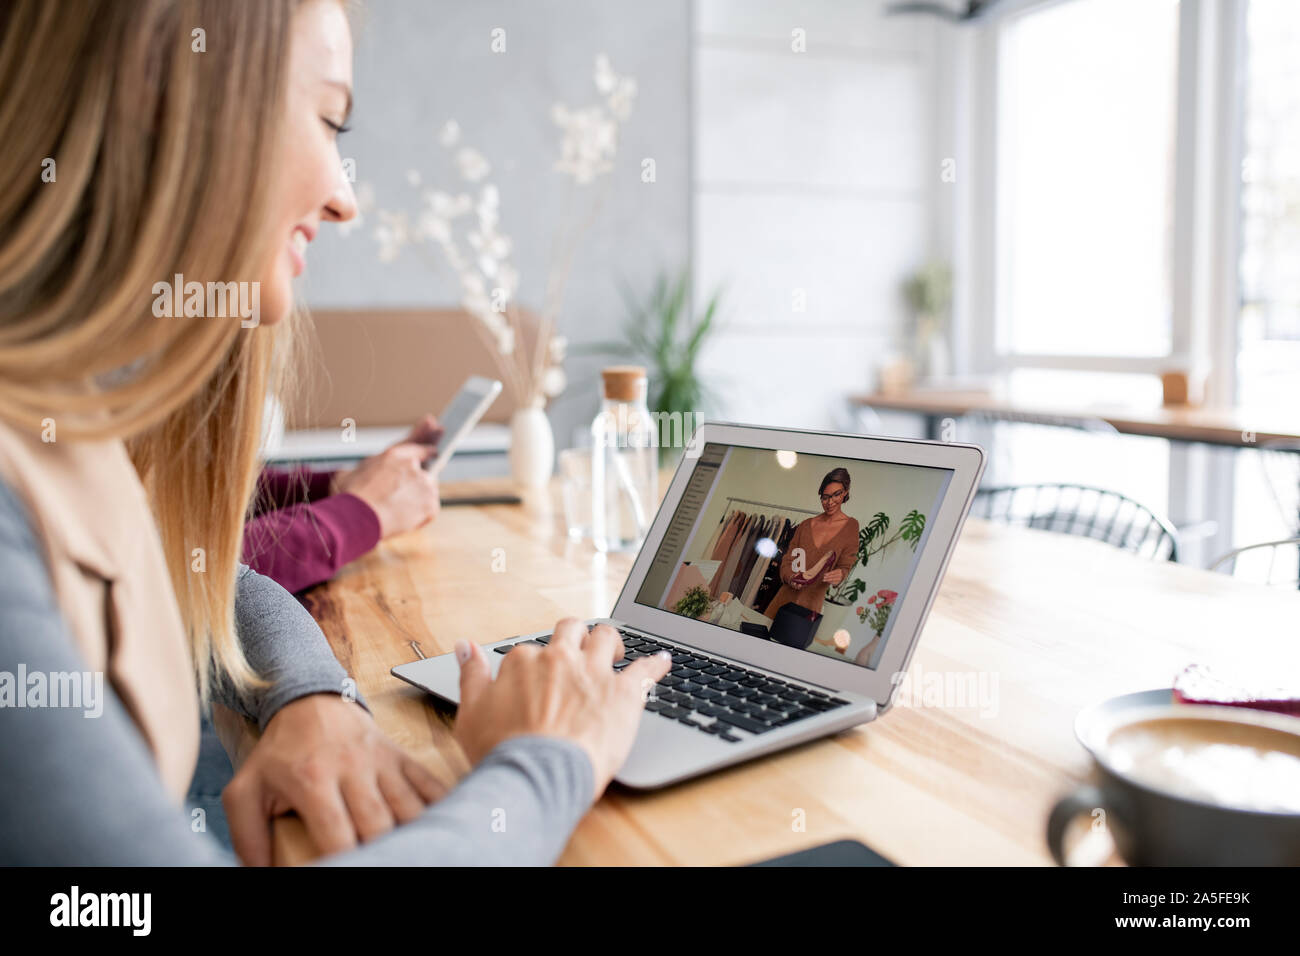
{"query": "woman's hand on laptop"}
pixel 400 492
pixel 566 689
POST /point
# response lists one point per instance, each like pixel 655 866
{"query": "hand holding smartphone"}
pixel 460 416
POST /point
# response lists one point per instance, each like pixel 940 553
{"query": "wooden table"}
pixel 1233 427
pixel 1051 623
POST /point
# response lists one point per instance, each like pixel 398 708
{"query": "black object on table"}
pixel 483 500
pixel 839 853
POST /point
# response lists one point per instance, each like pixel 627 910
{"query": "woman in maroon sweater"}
pixel 307 524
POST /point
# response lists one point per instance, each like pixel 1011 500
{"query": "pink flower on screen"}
pixel 888 597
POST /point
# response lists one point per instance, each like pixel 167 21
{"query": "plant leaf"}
pixel 912 527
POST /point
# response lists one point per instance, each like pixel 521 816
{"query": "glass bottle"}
pixel 624 462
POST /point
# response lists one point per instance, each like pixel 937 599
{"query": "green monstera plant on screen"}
pixel 873 540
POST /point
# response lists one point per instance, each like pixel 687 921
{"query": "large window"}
pixel 1267 503
pixel 1086 130
pixel 1086 126
pixel 1143 164
pixel 1269 356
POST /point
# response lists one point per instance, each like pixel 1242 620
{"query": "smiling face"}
pixel 832 497
pixel 310 185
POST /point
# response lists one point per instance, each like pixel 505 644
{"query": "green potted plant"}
pixel 929 294
pixel 693 603
pixel 663 333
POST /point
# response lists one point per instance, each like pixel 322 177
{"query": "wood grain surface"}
pixel 1042 624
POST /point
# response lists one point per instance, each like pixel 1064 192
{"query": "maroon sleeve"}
pixel 305 544
pixel 279 488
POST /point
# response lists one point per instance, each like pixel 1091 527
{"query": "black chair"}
pixel 1081 510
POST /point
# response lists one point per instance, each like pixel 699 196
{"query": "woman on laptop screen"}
pixel 822 551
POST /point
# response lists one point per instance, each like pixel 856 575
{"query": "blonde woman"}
pixel 164 142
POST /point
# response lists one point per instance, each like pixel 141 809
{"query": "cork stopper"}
pixel 624 383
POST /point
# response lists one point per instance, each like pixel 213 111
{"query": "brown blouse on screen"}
pixel 845 546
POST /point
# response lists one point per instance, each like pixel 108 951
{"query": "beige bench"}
pixel 382 369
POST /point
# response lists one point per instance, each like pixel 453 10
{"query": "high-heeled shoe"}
pixel 814 574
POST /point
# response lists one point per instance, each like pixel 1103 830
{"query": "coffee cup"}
pixel 1187 785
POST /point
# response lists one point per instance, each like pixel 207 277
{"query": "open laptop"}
pixel 710 581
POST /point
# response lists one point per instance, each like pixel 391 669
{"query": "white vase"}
pixel 532 447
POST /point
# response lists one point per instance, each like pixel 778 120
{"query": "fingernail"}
pixel 463 651
pixel 663 655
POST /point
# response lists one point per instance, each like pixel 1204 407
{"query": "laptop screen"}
pixel 810 551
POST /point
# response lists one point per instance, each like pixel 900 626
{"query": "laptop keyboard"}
pixel 716 696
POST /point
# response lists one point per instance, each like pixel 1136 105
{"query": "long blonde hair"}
pixel 137 143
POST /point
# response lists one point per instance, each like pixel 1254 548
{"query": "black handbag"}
pixel 794 626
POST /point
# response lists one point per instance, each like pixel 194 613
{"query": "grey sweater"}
pixel 83 790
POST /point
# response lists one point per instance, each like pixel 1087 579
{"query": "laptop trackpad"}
pixel 440 675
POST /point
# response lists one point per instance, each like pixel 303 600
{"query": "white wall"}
pixel 778 173
pixel 421 62
pixel 816 176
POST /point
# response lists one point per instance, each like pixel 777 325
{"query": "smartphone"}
pixel 839 853
pixel 460 416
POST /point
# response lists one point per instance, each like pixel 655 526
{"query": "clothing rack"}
pixel 768 504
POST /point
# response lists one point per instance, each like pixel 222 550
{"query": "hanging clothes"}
pixel 738 556
pixel 728 536
pixel 735 552
pixel 748 554
pixel 706 553
pixel 759 571
pixel 771 581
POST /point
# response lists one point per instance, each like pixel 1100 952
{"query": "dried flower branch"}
pixel 462 231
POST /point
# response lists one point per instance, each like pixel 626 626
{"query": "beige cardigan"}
pixel 91 516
